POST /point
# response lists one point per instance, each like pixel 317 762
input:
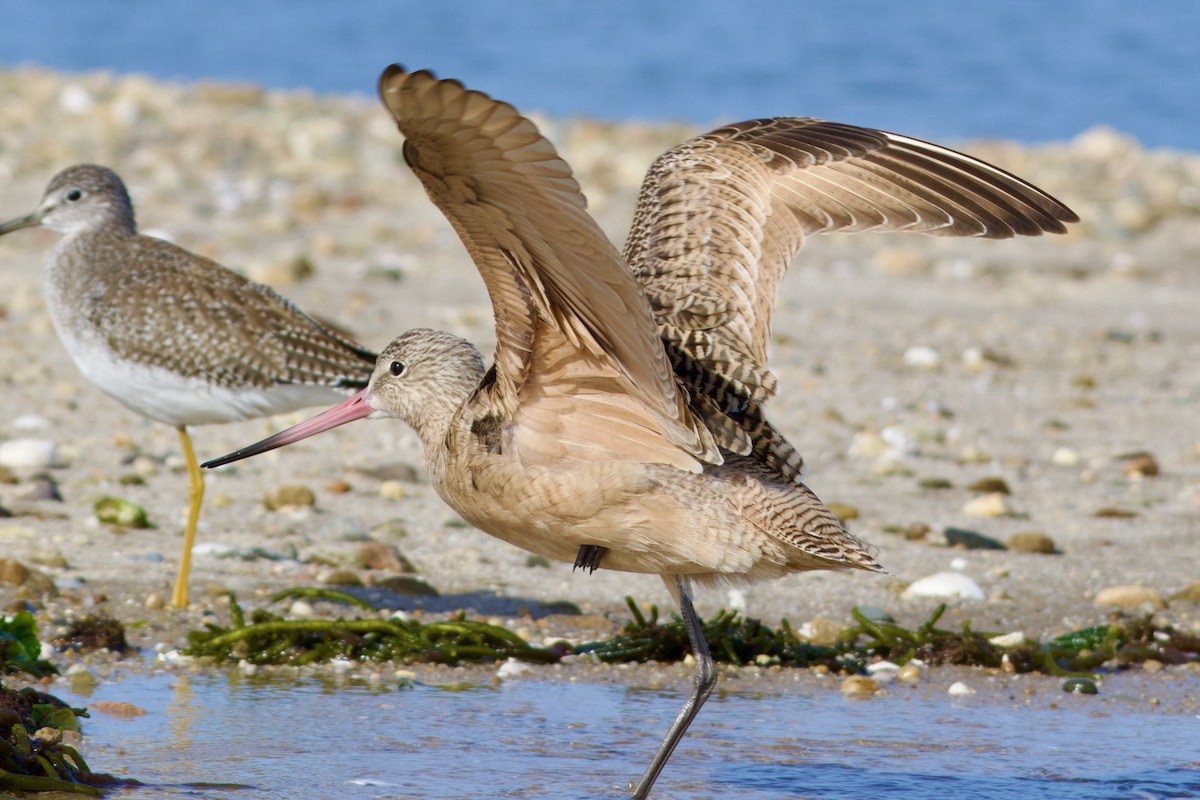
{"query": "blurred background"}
pixel 1029 70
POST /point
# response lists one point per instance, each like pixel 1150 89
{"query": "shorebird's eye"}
pixel 74 195
pixel 397 368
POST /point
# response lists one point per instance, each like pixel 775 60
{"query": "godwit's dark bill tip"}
pixel 352 408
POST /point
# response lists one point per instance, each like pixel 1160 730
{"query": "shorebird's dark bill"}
pixel 349 410
pixel 21 222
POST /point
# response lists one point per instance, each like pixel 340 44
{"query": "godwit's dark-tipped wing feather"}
pixel 722 215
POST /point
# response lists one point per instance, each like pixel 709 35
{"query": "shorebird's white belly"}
pixel 169 397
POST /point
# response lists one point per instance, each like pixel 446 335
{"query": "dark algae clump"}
pixel 267 638
pixel 30 763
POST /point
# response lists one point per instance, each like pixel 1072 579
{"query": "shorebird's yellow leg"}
pixel 179 599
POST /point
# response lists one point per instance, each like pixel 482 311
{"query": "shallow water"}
pixel 535 739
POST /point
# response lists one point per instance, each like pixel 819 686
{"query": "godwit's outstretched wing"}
pixel 722 215
pixel 579 365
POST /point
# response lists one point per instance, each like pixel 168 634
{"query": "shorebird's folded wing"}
pixel 722 215
pixel 232 332
pixel 545 261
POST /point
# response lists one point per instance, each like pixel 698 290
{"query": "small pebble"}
pixel 342 577
pixel 289 498
pixel 1065 457
pixel 842 511
pixel 876 614
pixel 377 555
pixel 868 444
pixel 14 573
pixel 935 483
pixel 512 668
pixel 922 357
pixel 67 737
pixel 1114 513
pixel 116 709
pixel 859 686
pixel 909 673
pixel 31 422
pixel 1130 596
pixel 988 505
pixel 820 631
pixel 407 585
pixel 28 453
pixel 960 689
pixel 393 490
pixel 282 273
pixel 1080 686
pixel 970 540
pixel 1141 465
pixel 1007 640
pixel 1031 542
pixel 990 485
pixel 883 671
pixel 155 602
pixel 945 585
pixel 75 99
pixel 122 513
pixel 390 529
pixel 300 609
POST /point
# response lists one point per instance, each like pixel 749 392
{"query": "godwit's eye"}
pixel 397 368
pixel 74 195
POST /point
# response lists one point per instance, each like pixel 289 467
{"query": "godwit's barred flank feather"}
pixel 621 425
pixel 172 335
pixel 721 216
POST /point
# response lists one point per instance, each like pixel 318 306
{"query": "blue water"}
pixel 571 741
pixel 1032 70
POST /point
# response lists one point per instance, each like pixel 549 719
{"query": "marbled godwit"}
pixel 621 425
pixel 173 336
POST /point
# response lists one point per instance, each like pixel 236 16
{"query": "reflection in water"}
pixel 181 712
pixel 576 740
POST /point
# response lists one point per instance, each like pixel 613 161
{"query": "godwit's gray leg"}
pixel 703 683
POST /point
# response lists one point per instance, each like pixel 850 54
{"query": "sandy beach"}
pixel 910 369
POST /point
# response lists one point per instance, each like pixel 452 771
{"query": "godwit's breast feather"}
pixel 545 262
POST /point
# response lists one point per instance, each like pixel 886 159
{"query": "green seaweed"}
pixel 33 764
pixel 20 648
pixel 731 639
pixel 270 639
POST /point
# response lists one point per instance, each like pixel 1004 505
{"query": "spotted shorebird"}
pixel 173 336
pixel 621 425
